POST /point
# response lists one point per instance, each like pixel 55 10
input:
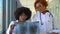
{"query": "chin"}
pixel 22 20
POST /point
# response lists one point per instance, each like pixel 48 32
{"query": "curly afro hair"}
pixel 21 10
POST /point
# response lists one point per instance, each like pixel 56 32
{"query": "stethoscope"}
pixel 49 16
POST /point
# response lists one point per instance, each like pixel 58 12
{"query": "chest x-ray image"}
pixel 27 28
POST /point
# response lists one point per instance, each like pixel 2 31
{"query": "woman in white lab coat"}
pixel 45 18
pixel 21 14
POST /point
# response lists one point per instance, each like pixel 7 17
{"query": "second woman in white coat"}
pixel 45 18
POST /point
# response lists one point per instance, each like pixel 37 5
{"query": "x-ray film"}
pixel 28 28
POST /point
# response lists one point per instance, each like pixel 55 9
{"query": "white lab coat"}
pixel 12 22
pixel 47 20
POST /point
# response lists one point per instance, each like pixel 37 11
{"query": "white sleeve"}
pixel 54 25
pixel 7 32
pixel 55 22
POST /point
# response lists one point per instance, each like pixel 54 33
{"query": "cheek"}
pixel 21 19
pixel 42 8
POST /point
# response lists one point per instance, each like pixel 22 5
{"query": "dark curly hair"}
pixel 21 10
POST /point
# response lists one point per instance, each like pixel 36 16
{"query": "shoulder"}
pixel 13 22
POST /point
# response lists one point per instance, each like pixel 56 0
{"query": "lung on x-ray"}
pixel 29 28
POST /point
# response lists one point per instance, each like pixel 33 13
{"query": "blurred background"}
pixel 7 8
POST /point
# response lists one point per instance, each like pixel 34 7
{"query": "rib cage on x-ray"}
pixel 29 28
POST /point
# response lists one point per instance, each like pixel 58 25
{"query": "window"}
pixel 1 17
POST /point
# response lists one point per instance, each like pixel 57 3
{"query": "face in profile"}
pixel 40 7
pixel 22 17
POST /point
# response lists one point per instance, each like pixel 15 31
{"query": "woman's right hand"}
pixel 11 28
